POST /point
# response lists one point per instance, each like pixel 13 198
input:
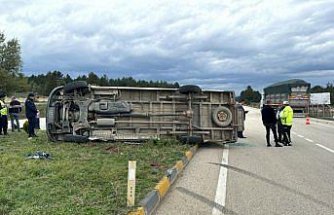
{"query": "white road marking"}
pixel 309 140
pixel 324 147
pixel 221 185
pixel 293 132
pixel 300 136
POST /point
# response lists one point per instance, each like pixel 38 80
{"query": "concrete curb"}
pixel 152 200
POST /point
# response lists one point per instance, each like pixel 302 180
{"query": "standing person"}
pixel 3 114
pixel 37 124
pixel 280 127
pixel 286 116
pixel 269 121
pixel 31 112
pixel 241 120
pixel 15 108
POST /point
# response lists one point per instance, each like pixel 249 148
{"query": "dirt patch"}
pixel 114 149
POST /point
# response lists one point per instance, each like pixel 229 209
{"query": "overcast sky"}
pixel 217 44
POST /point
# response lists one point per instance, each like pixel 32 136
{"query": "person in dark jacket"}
pixel 31 113
pixel 269 121
pixel 14 109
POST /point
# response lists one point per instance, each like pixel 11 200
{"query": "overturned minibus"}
pixel 78 112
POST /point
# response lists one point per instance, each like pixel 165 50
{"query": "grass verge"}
pixel 79 179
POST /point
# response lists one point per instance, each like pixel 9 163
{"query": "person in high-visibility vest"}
pixel 286 116
pixel 4 115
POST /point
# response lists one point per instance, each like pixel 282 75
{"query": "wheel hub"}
pixel 222 116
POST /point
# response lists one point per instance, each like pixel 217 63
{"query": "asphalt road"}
pixel 260 180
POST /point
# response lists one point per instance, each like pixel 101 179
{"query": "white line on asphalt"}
pixel 221 185
pixel 293 132
pixel 309 140
pixel 324 147
pixel 300 135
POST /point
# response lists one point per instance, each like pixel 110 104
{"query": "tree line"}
pixel 44 83
pixel 249 96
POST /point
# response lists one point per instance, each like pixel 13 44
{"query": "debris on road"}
pixel 39 155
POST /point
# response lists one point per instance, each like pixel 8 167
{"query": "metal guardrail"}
pixel 321 111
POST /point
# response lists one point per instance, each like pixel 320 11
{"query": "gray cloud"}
pixel 220 45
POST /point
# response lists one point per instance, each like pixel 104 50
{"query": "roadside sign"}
pixel 320 98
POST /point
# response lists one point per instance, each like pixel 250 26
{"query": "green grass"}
pixel 80 178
